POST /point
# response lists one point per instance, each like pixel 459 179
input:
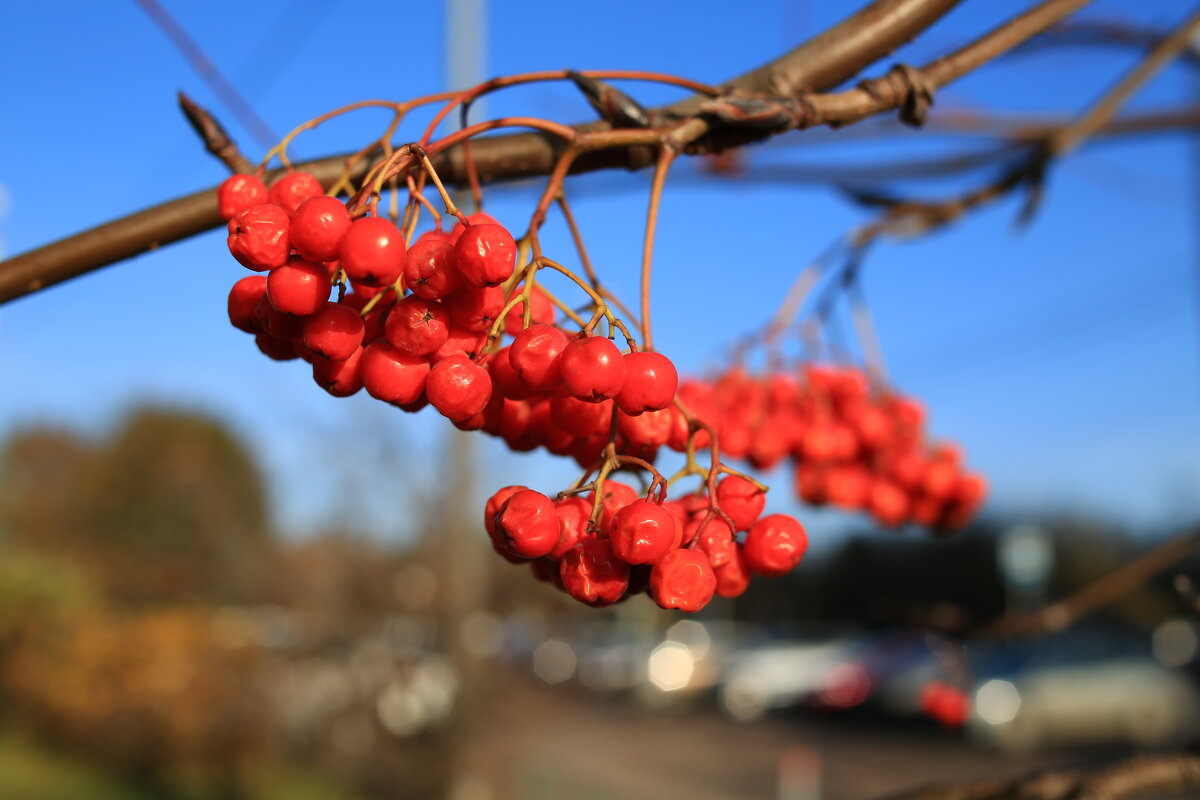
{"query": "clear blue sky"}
pixel 1065 358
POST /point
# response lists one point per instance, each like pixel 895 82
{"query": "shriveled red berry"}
pixel 458 388
pixel 775 545
pixel 298 287
pixel 340 378
pixel 592 368
pixel 716 540
pixel 392 376
pixel 643 532
pixel 485 254
pixel 239 192
pixel 318 227
pixel 335 332
pixel 495 503
pixel 243 297
pixel 534 354
pixel 429 267
pixel 258 237
pixel 293 189
pixel 573 515
pixel 372 252
pixel 650 383
pixel 741 500
pixel 475 309
pixel 417 326
pixel 683 579
pixel 592 573
pixel 527 525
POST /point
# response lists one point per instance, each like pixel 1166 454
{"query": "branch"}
pixel 859 40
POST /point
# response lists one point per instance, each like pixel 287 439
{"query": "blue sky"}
pixel 1064 357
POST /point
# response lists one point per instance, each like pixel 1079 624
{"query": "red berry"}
pixel 506 378
pixel 716 541
pixel 459 343
pixel 733 577
pixel 741 500
pixel 275 348
pixel 592 574
pixel 478 218
pixel 298 287
pixel 648 431
pixel 495 503
pixel 775 545
pixel 243 297
pixel 293 189
pixel 258 237
pixel 340 378
pixel 318 227
pixel 888 502
pixel 458 388
pixel 417 326
pixel 683 579
pixel 475 309
pixel 643 532
pixel 580 418
pixel 534 354
pixel 613 497
pixel 392 376
pixel 239 192
pixel 372 252
pixel 335 332
pixel 276 323
pixel 429 268
pixel 592 368
pixel 650 383
pixel 543 312
pixel 485 254
pixel 527 525
pixel 574 513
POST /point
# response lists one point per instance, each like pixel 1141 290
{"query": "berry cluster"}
pixel 427 325
pixel 850 446
pixel 613 543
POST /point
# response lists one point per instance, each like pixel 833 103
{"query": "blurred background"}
pixel 218 582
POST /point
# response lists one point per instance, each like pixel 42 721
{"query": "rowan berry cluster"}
pixel 426 325
pixel 850 446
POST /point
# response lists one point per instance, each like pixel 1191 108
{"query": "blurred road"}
pixel 557 742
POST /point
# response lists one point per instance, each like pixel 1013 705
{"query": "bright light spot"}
pixel 554 661
pixel 418 697
pixel 997 702
pixel 1175 642
pixel 846 686
pixel 693 634
pixel 671 666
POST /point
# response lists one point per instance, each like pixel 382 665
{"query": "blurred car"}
pixel 783 674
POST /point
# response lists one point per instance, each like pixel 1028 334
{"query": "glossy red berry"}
pixel 458 388
pixel 239 192
pixel 417 326
pixel 580 418
pixel 650 383
pixel 614 496
pixel 340 378
pixel 775 545
pixel 258 237
pixel 528 525
pixel 716 541
pixel 741 500
pixel 475 309
pixel 298 287
pixel 335 332
pixel 643 532
pixel 372 252
pixel 243 297
pixel 485 254
pixel 592 368
pixel 592 573
pixel 495 503
pixel 429 267
pixel 733 577
pixel 318 227
pixel 534 354
pixel 293 189
pixel 392 376
pixel 573 515
pixel 683 579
